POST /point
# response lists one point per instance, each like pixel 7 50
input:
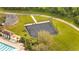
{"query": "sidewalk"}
pixel 34 19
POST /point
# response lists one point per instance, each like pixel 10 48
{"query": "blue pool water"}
pixel 4 47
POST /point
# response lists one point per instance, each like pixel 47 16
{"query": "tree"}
pixel 45 41
pixel 28 42
pixel 2 20
pixel 40 47
pixel 45 37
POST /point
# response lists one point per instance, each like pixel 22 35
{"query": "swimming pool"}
pixel 5 47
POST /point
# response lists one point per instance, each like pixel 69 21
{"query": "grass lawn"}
pixel 67 37
pixel 19 27
pixel 41 18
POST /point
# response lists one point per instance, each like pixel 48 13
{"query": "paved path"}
pixel 73 26
pixel 34 19
pixel 45 16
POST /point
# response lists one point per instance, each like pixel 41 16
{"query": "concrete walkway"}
pixel 73 26
pixel 34 19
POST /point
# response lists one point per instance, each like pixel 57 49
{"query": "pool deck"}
pixel 17 46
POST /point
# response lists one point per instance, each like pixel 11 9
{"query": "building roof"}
pixel 6 32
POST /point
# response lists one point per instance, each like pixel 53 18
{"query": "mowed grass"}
pixel 67 37
pixel 19 27
pixel 41 18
